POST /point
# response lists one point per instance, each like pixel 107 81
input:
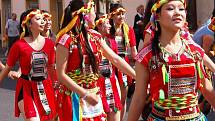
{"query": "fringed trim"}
pixel 102 117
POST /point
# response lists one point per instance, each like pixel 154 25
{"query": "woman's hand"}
pixel 14 75
pixel 92 99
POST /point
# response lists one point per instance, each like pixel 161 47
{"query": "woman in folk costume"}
pixel 79 50
pixel 125 38
pixel 108 82
pixel 34 93
pixel 177 63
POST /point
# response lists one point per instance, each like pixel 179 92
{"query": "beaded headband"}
pixel 117 11
pixel 159 3
pixel 26 19
pixel 46 15
pixel 154 9
pixel 85 9
pixel 101 19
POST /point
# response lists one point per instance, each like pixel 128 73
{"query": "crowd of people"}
pixel 83 73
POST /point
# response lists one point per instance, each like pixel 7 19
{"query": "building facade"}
pixel 199 10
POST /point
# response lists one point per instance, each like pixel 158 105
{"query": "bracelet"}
pixel 85 96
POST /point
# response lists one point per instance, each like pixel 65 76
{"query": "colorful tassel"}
pixel 165 75
pixel 199 70
pixel 126 33
pixel 161 94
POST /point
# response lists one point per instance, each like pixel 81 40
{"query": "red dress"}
pixel 174 82
pixel 123 52
pixel 30 91
pixel 107 81
pixel 68 105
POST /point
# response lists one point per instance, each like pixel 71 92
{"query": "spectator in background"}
pixel 138 24
pixel 12 30
pixel 204 37
pixel 209 20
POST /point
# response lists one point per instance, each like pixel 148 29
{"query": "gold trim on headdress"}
pixel 117 11
pixel 159 3
pixel 26 19
pixel 84 9
pixel 46 15
pixel 154 9
pixel 101 20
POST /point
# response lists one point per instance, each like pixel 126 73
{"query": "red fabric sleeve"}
pixel 144 56
pixel 194 47
pixel 65 40
pixel 13 55
pixel 132 37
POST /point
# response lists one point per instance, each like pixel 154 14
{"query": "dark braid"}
pixel 112 29
pixel 123 35
pixel 92 58
pixel 90 54
pixel 155 41
pixel 76 32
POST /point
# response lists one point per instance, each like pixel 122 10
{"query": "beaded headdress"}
pixel 46 15
pixel 117 11
pixel 101 19
pixel 27 18
pixel 159 3
pixel 85 9
pixel 156 6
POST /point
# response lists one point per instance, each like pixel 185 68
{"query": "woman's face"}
pixel 106 27
pixel 172 15
pixel 119 18
pixel 48 23
pixel 37 23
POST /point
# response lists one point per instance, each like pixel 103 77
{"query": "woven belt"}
pixel 182 117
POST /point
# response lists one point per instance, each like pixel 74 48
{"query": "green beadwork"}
pixel 78 71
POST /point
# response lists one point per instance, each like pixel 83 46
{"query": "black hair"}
pixel 148 13
pixel 73 6
pixel 114 6
pixel 22 17
pixel 155 41
pixel 45 11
